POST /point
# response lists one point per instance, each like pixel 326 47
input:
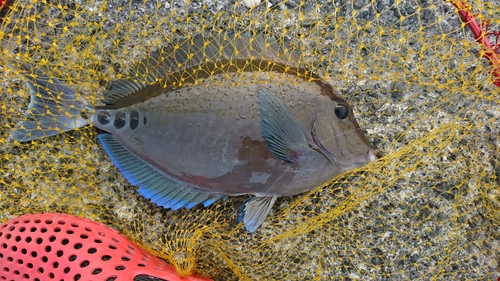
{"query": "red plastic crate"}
pixel 54 246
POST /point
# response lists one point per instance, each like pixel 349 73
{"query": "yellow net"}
pixel 421 89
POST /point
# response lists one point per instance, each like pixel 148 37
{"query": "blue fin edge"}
pixel 154 184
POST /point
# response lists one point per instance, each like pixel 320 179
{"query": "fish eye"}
pixel 341 112
pixel 103 117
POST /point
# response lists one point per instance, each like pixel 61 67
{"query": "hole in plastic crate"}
pixel 92 251
pixel 84 264
pixel 39 240
pixel 96 271
pixel 106 257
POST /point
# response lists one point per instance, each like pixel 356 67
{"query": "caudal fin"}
pixel 54 108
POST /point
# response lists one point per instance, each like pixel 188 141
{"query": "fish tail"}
pixel 54 108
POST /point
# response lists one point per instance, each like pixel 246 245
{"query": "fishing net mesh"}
pixel 423 90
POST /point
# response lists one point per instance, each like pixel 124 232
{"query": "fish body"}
pixel 243 118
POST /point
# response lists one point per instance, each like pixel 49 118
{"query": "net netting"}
pixel 422 89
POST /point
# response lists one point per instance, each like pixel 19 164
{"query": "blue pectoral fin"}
pixel 283 135
pixel 254 211
pixel 154 184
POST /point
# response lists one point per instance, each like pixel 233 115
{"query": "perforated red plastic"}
pixel 55 246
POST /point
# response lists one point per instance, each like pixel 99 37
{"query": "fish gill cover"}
pixel 420 87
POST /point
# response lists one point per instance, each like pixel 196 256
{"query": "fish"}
pixel 211 117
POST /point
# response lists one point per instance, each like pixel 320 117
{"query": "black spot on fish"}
pixel 134 119
pixel 341 112
pixel 119 120
pixel 103 117
pixel 145 120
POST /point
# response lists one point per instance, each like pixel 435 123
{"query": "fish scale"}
pixel 242 116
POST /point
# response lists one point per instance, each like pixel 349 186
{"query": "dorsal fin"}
pixel 198 50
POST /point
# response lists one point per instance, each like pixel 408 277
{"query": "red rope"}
pixel 481 36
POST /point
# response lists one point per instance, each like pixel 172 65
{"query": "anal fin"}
pixel 254 211
pixel 154 184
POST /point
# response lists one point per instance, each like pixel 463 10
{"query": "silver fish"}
pixel 230 116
